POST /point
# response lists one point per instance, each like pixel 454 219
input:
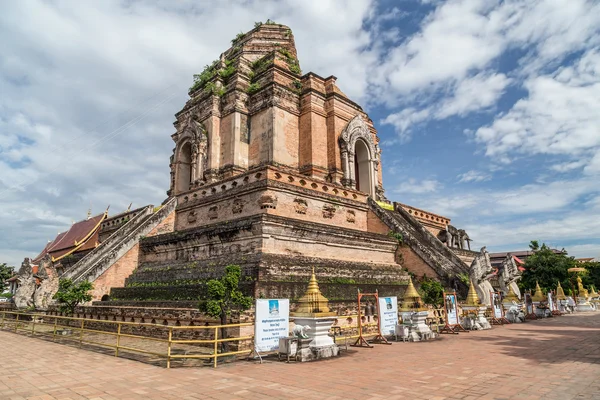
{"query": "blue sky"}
pixel 488 111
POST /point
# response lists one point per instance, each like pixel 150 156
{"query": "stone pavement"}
pixel 557 358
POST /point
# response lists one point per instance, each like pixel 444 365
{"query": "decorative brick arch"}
pixel 357 129
pixel 193 134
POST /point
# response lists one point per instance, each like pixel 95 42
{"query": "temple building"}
pixel 278 172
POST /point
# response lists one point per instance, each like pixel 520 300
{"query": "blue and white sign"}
pixel 272 322
pixel 388 314
pixel 451 312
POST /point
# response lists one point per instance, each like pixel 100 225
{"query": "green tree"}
pixel 5 273
pixel 592 277
pixel 432 292
pixel 224 296
pixel 70 295
pixel 547 268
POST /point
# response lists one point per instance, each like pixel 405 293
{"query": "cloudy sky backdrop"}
pixel 488 111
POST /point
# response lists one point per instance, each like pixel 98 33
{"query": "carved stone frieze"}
pixel 300 205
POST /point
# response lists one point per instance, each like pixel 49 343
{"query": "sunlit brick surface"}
pixel 552 359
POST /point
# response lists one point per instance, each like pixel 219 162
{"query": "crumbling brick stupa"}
pixel 279 172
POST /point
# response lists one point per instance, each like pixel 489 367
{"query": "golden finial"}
pixel 538 296
pixel 313 303
pixel 511 295
pixel 472 297
pixel 560 293
pixel 412 300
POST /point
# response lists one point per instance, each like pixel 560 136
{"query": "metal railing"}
pixel 61 327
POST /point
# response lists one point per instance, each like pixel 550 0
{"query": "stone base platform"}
pixel 308 353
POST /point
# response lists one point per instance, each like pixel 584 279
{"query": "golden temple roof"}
pixel 472 297
pixel 539 295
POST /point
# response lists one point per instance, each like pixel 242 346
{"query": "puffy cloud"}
pixel 418 187
pixel 474 176
pixel 89 92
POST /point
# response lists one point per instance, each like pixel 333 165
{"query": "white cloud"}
pixel 474 176
pixel 568 166
pixel 559 116
pixel 414 186
pixel 89 92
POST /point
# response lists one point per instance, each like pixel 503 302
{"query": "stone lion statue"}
pixel 300 331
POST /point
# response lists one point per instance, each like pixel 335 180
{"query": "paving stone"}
pixel 558 358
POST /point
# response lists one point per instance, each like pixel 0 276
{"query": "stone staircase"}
pixel 439 257
pixel 115 246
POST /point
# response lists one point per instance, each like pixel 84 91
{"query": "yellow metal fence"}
pixel 62 328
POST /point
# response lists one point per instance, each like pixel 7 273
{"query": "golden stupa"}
pixel 560 293
pixel 313 304
pixel 472 297
pixel 412 300
pixel 582 291
pixel 511 296
pixel 538 295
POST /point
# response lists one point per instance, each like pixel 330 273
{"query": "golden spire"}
pixel 511 295
pixel 472 298
pixel 560 293
pixel 412 300
pixel 538 296
pixel 313 303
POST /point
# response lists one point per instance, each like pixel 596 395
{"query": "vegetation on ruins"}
pixel 396 235
pixel 432 292
pixel 253 88
pixel 238 37
pixel 267 22
pixel 292 62
pixel 203 77
pixel 70 295
pixel 5 273
pixel 224 296
pixel 547 268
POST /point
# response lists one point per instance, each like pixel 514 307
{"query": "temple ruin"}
pixel 276 171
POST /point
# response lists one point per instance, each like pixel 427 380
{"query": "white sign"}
pixel 551 302
pixel 388 314
pixel 451 313
pixel 497 305
pixel 272 322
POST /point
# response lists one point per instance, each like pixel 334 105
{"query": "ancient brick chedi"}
pixel 279 172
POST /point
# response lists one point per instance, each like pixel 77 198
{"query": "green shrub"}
pixel 432 292
pixel 253 88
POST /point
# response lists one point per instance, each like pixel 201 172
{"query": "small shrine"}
pixel 561 300
pixel 583 303
pixel 473 312
pixel 315 319
pixel 414 313
pixel 513 307
pixel 540 302
pixel 595 299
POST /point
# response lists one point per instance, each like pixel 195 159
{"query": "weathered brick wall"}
pixel 414 263
pixel 115 275
pixel 166 226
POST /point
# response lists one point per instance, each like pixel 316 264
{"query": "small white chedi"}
pixel 513 307
pixel 313 319
pixel 414 313
pixel 474 312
